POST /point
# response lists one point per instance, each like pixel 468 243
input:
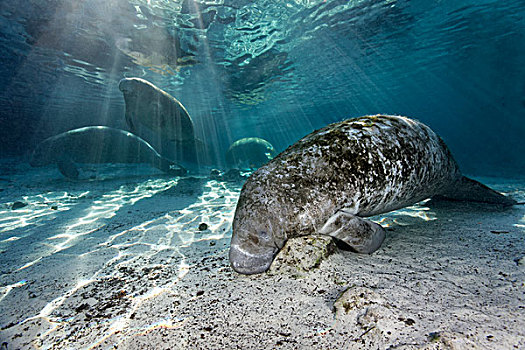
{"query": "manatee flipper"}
pixel 67 168
pixel 361 235
pixel 466 189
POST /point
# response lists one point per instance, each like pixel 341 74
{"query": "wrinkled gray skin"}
pixel 98 144
pixel 249 153
pixel 147 105
pixel 327 182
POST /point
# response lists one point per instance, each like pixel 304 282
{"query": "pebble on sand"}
pixel 17 205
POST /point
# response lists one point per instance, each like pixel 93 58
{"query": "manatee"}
pixel 249 153
pixel 98 144
pixel 332 179
pixel 149 106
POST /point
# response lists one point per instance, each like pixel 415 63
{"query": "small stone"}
pixel 212 243
pixel 54 207
pixel 354 299
pixel 498 232
pixel 121 294
pixel 233 175
pixel 409 321
pixel 450 340
pixel 215 174
pixel 203 226
pixel 82 307
pixel 434 336
pixel 17 205
pixel 199 293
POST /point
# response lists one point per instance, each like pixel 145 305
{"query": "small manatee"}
pixel 249 153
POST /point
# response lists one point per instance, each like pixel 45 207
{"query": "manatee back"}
pixel 102 144
pixel 173 120
pixel 368 165
pixel 94 144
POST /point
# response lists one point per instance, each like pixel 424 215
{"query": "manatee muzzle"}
pixel 246 262
pixel 251 255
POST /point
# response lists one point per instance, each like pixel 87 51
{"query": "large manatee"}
pixel 333 178
pixel 98 144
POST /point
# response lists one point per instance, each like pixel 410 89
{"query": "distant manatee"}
pixel 249 153
pixel 147 105
pixel 98 144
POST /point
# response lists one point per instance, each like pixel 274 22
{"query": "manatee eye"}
pixel 259 236
pixel 264 235
pixel 254 239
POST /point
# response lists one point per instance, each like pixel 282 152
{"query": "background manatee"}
pixel 249 153
pixel 149 106
pixel 98 144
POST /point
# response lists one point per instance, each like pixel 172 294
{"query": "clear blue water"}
pixel 80 259
pixel 271 69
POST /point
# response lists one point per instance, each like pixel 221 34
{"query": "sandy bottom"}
pixel 122 263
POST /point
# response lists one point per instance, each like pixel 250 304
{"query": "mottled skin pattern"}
pixel 355 168
pixel 98 144
pixel 147 105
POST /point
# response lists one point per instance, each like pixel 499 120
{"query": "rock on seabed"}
pixel 302 254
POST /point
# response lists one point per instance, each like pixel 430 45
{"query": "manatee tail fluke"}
pixel 466 189
pixel 170 167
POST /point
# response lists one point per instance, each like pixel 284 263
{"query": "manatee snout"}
pixel 41 155
pixel 36 161
pixel 126 85
pixel 252 250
